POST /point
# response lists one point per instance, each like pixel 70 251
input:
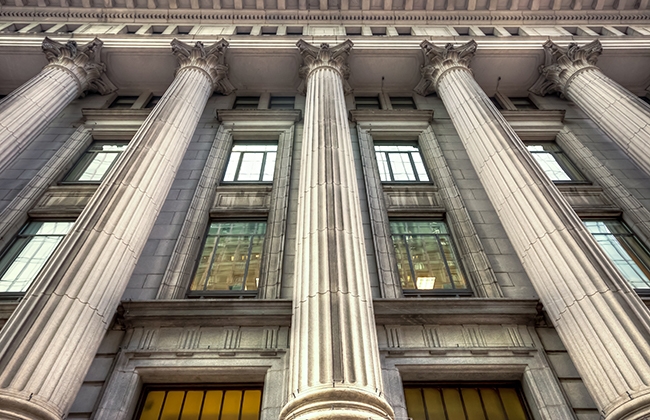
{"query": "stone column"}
pixel 602 323
pixel 622 115
pixel 24 113
pixel 334 369
pixel 48 344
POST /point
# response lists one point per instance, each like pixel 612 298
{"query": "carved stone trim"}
pixel 563 64
pixel 210 60
pixel 83 62
pixel 440 60
pixel 314 58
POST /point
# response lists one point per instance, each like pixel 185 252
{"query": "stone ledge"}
pixel 382 115
pixel 206 312
pixel 247 115
pixel 451 311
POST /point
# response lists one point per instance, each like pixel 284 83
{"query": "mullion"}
pixel 390 167
pixel 239 162
pixel 261 175
pixel 212 256
pixel 413 168
pixel 444 259
pixel 248 261
pixel 408 256
pixel 569 171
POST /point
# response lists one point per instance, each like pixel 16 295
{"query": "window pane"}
pixel 172 408
pixel 206 404
pixel 382 164
pixel 152 405
pixel 401 165
pixel 233 162
pixel 415 403
pixel 251 163
pixel 555 164
pixel 551 167
pixel 96 162
pixel 212 405
pixel 231 257
pixel 31 250
pixel 192 405
pixel 251 167
pixel 269 167
pixel 231 405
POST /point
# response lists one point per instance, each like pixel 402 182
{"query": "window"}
pixel 484 402
pixel 496 103
pixel 282 102
pixel 624 249
pixel 123 102
pixel 367 102
pixel 27 255
pixel 246 102
pixel 645 99
pixel 522 103
pixel 269 30
pixel 294 30
pixel 96 162
pixel 204 403
pixel 231 258
pixel 153 101
pixel 555 163
pixel 426 259
pixel 402 102
pixel 400 163
pixel 251 163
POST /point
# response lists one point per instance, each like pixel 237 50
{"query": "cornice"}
pixel 188 15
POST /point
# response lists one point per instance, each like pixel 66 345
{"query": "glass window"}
pixel 555 163
pixel 203 403
pixel 27 255
pixel 153 101
pixel 251 163
pixel 523 103
pixel 246 102
pixel 282 102
pixel 405 102
pixel 485 402
pixel 624 249
pixel 96 161
pixel 367 102
pixel 426 259
pixel 400 163
pixel 231 258
pixel 123 102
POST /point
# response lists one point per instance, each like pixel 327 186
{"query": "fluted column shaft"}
pixel 70 306
pixel 334 369
pixel 618 112
pixel 26 112
pixel 602 323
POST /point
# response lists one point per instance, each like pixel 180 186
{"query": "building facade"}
pixel 292 209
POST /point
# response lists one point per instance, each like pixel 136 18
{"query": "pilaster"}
pixel 334 369
pixel 622 115
pixel 47 346
pixel 24 114
pixel 602 323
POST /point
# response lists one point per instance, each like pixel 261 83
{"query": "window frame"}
pixel 246 102
pixel 468 291
pixel 242 293
pixel 566 164
pixel 83 157
pixel 241 158
pixel 367 102
pixel 17 252
pixel 412 162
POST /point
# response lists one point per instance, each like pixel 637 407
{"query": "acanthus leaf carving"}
pixel 562 64
pixel 324 56
pixel 439 60
pixel 84 62
pixel 211 60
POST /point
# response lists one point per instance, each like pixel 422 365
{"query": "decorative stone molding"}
pixel 210 60
pixel 335 58
pixel 438 61
pixel 81 61
pixel 562 65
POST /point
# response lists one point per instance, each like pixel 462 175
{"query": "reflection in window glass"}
pixel 555 163
pixel 251 163
pixel 467 402
pixel 25 258
pixel 204 403
pixel 231 258
pixel 425 256
pixel 401 163
pixel 96 162
pixel 624 249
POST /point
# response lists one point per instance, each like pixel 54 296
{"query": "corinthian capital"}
pixel 562 64
pixel 83 62
pixel 314 57
pixel 438 60
pixel 211 60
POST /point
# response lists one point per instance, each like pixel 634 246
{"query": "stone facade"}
pixel 331 328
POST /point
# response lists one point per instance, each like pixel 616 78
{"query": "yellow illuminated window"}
pixel 464 403
pixel 201 404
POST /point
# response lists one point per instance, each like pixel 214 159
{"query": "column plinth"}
pixel 48 344
pixel 24 113
pixel 334 369
pixel 602 322
pixel 620 114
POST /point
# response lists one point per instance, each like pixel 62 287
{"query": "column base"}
pixel 342 403
pixel 19 406
pixel 638 408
